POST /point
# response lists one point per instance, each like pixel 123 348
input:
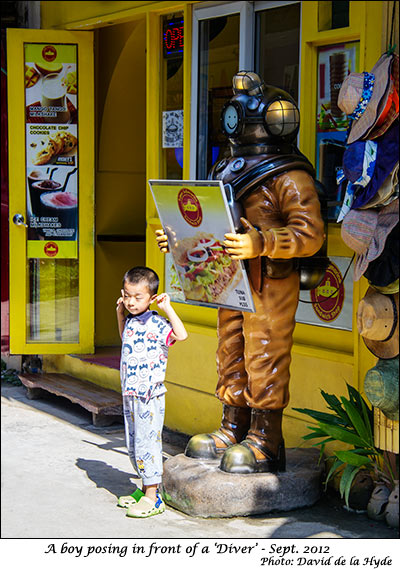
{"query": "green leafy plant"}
pixel 9 375
pixel 351 422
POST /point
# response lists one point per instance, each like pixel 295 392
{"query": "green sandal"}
pixel 128 500
pixel 145 507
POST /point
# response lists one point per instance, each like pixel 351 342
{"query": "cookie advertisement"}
pixel 49 145
pixel 195 215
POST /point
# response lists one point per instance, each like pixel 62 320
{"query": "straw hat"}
pixel 362 93
pixel 378 323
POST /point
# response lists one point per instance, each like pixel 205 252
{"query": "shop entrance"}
pixel 120 188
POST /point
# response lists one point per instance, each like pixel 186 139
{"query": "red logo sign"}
pixel 328 297
pixel 51 249
pixel 189 207
pixel 49 53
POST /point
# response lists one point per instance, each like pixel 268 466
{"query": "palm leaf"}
pixel 335 465
pixel 349 472
pixel 352 458
pixel 355 396
pixel 335 405
pixel 342 434
pixel 356 420
pixel 368 416
pixel 360 403
pixel 319 416
pixel 370 451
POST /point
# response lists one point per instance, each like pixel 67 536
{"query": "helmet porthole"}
pixel 281 118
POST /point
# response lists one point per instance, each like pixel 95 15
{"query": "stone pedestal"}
pixel 199 488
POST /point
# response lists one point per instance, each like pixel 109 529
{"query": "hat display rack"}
pixel 370 223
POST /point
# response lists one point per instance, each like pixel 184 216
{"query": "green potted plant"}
pixel 350 421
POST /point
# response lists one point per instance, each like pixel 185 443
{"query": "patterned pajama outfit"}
pixel 145 343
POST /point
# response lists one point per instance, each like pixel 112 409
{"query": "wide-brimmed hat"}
pixel 388 113
pixel 386 159
pixel 388 192
pixel 361 94
pixel 359 161
pixel 385 269
pixel 378 323
pixel 365 232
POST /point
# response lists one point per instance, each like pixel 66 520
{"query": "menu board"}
pixel 51 123
pixel 195 216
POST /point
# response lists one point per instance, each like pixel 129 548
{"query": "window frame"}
pixel 246 11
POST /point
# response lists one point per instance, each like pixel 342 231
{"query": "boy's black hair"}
pixel 138 274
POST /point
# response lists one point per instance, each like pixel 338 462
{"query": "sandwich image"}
pixel 205 269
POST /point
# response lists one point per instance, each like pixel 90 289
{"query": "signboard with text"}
pixel 51 124
pixel 195 216
pixel 331 303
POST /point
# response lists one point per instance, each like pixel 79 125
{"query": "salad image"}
pixel 205 269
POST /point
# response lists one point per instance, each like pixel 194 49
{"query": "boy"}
pixel 146 337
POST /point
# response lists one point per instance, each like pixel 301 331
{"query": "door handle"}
pixel 19 220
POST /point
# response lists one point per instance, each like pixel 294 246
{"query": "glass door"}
pixel 254 36
pixel 51 163
pixel 222 44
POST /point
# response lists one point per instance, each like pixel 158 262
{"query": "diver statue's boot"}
pixel 263 450
pixel 234 426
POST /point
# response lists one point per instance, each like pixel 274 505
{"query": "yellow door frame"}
pixel 17 189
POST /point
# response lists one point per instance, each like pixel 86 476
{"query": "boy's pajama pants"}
pixel 143 431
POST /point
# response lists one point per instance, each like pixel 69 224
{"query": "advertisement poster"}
pixel 195 216
pixel 331 303
pixel 51 123
pixel 334 64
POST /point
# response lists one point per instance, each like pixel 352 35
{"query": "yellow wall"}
pixel 322 359
pixel 121 158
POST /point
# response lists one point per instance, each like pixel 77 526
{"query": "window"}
pixel 255 36
pixel 172 96
pixel 277 47
pixel 218 62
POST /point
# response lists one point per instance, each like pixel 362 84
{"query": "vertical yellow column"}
pixel 187 88
pixel 154 258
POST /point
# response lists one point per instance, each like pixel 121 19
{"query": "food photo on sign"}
pixel 51 85
pixel 52 203
pixel 195 215
pixel 51 144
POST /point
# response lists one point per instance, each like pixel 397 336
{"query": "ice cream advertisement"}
pixel 195 216
pixel 51 125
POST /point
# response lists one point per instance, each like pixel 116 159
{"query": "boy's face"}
pixel 137 297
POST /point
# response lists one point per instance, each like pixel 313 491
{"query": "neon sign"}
pixel 173 38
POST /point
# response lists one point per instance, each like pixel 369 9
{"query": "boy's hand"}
pixel 120 306
pixel 162 241
pixel 163 301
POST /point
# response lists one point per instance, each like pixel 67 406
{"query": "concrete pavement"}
pixel 61 477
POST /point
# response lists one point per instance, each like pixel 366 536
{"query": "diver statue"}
pixel 282 240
